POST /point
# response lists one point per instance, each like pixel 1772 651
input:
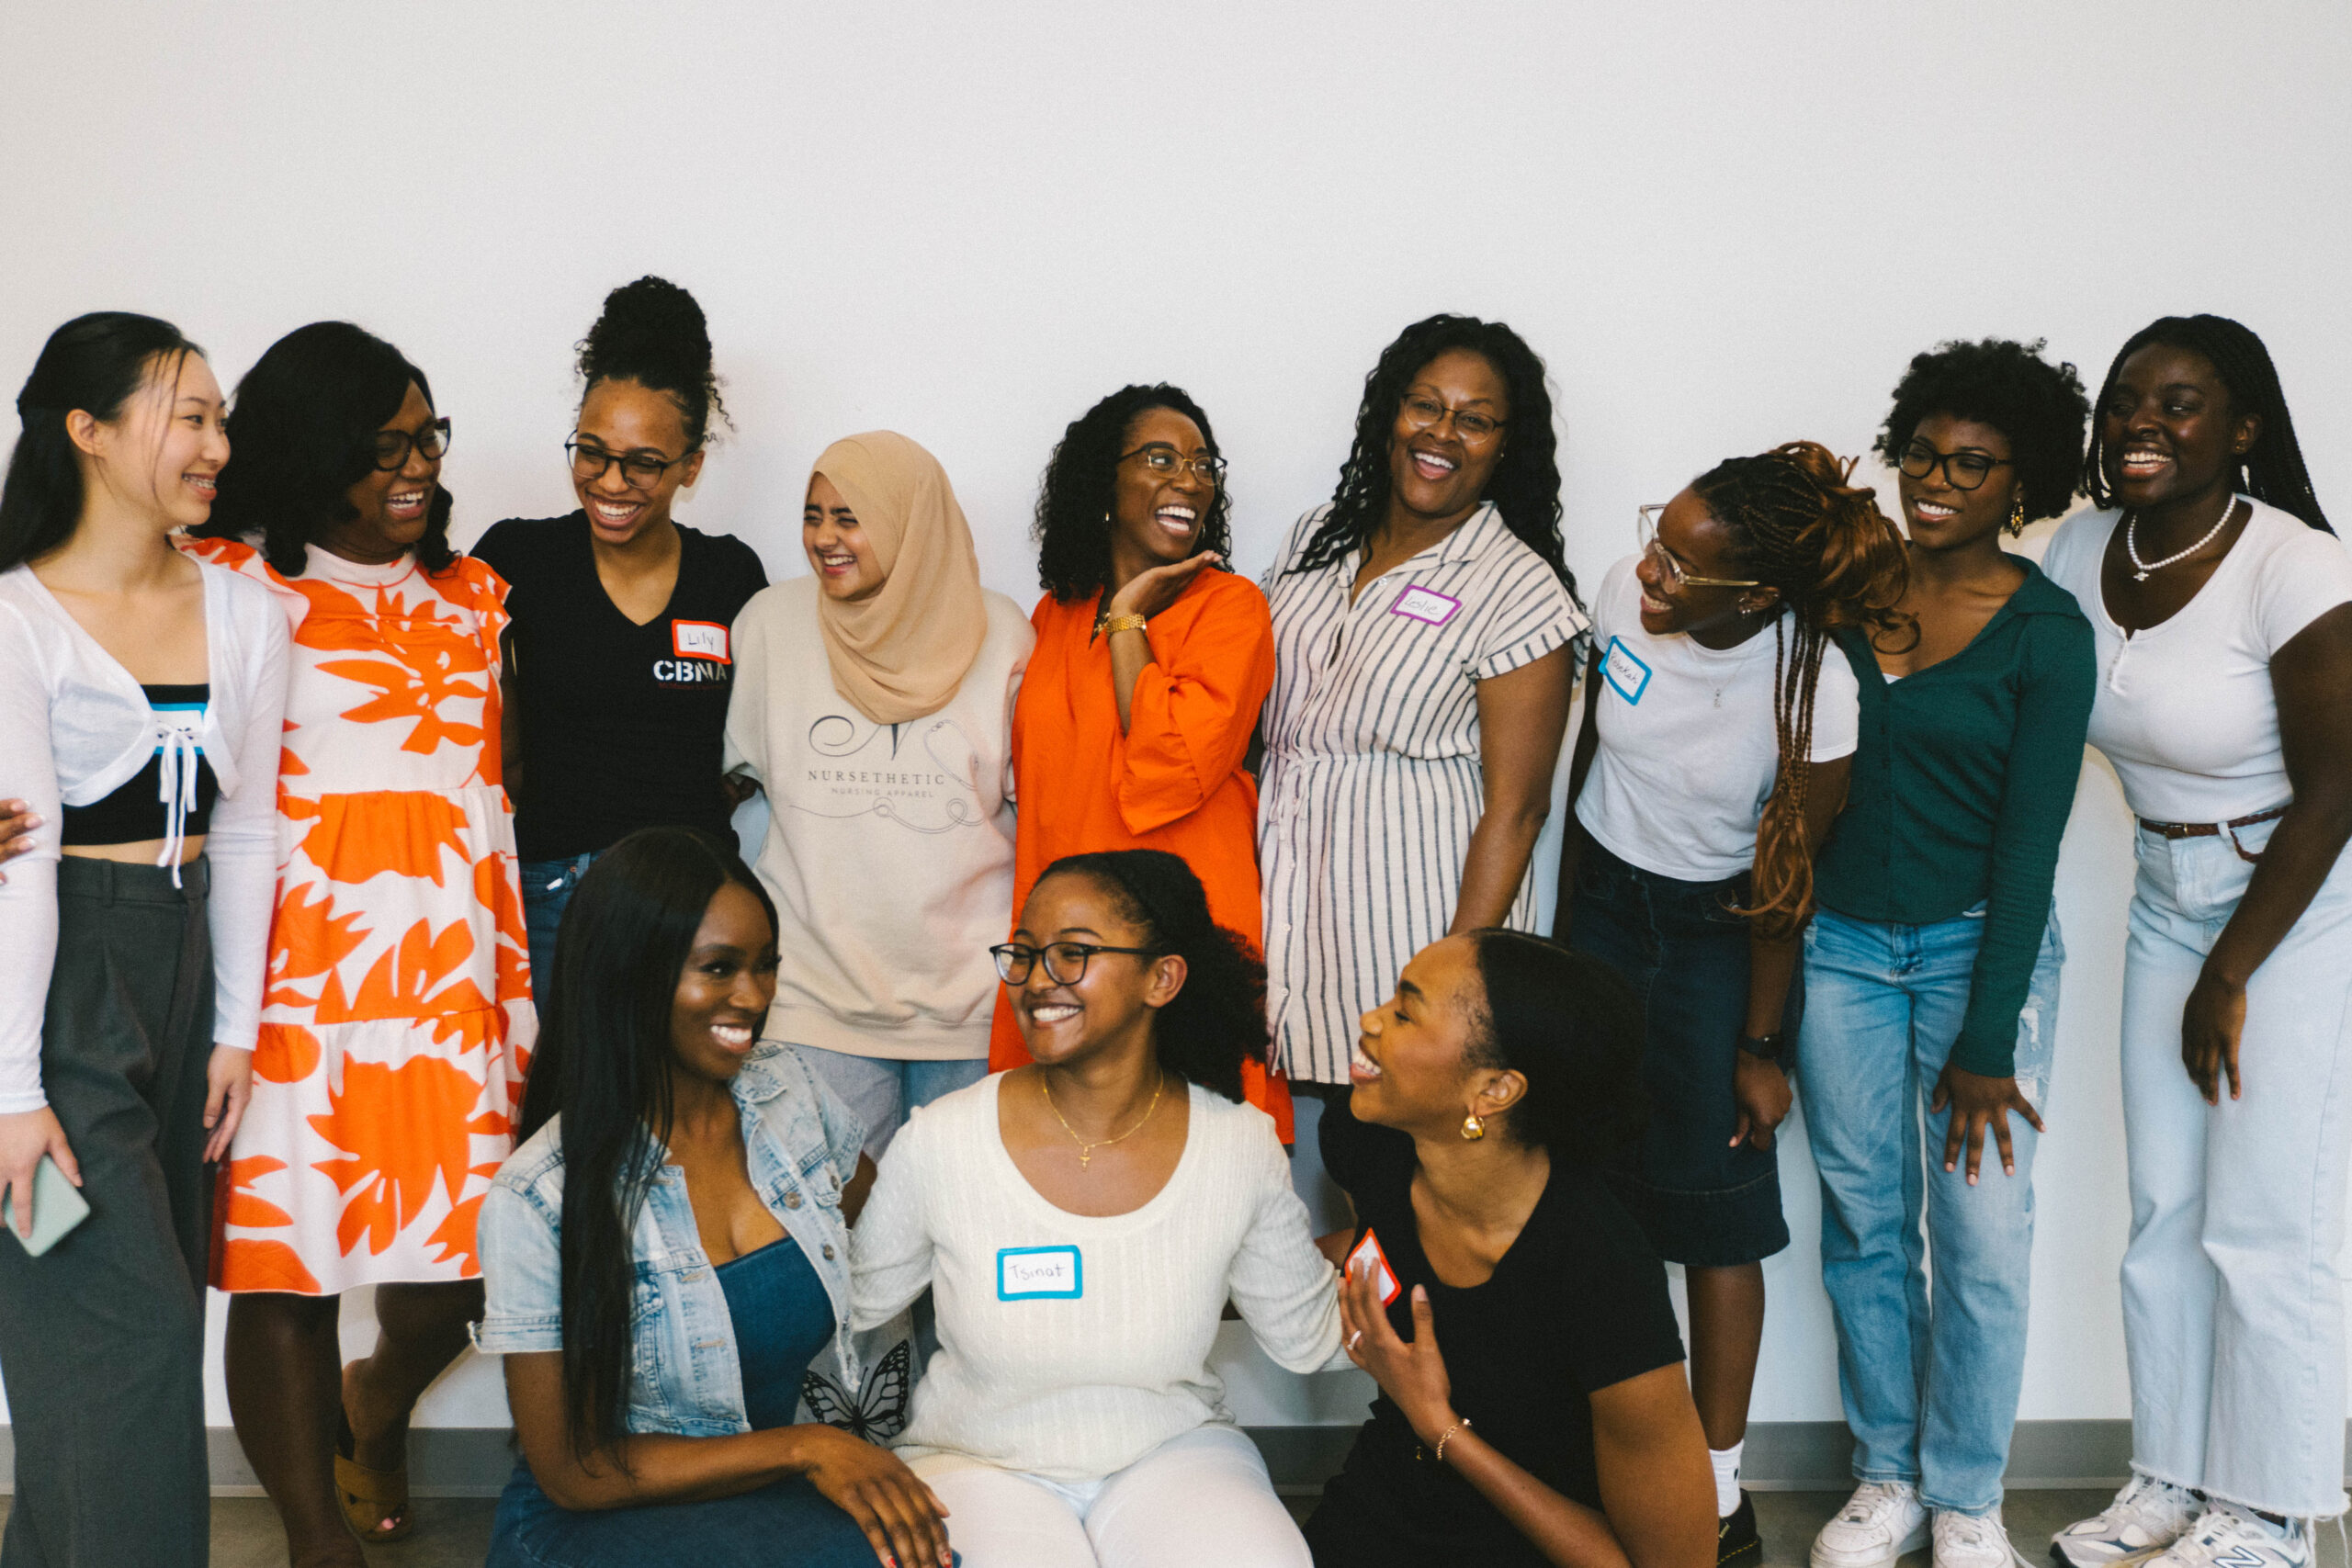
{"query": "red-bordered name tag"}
pixel 699 640
pixel 1383 1277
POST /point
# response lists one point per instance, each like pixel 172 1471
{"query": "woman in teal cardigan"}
pixel 1931 968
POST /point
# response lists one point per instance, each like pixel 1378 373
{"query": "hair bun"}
pixel 653 333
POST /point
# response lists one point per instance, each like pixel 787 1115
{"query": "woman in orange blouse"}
pixel 1150 664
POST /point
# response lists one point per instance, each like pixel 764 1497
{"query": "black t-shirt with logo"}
pixel 1578 1303
pixel 623 725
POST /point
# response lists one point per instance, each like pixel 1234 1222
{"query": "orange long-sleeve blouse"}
pixel 1174 781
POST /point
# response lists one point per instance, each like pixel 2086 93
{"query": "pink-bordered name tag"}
pixel 1426 605
pixel 1368 1251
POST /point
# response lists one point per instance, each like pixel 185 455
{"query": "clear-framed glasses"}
pixel 1424 412
pixel 1166 461
pixel 393 447
pixel 638 469
pixel 1065 961
pixel 1671 570
pixel 1962 471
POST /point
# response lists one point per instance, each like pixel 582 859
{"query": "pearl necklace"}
pixel 2131 541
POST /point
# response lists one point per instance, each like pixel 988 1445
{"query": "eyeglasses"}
pixel 1423 413
pixel 1065 961
pixel 589 463
pixel 1167 461
pixel 393 447
pixel 1962 471
pixel 1670 570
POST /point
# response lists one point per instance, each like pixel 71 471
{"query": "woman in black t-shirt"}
pixel 1556 1427
pixel 619 647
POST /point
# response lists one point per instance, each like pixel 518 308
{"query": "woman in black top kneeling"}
pixel 1556 1427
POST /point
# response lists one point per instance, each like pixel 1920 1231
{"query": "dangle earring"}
pixel 1472 1129
pixel 2016 519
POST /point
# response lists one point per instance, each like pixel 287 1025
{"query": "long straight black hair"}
pixel 93 363
pixel 602 1065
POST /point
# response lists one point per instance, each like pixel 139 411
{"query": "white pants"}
pixel 1199 1501
pixel 2233 1308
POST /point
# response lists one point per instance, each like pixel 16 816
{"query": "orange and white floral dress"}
pixel 398 1019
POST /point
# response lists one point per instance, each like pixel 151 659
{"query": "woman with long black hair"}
pixel 669 1248
pixel 2220 611
pixel 141 698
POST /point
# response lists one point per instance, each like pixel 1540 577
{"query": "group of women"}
pixel 1063 927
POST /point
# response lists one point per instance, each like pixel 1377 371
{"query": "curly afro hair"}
pixel 1073 531
pixel 2041 407
pixel 652 333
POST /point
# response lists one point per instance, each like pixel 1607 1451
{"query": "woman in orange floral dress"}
pixel 397 1018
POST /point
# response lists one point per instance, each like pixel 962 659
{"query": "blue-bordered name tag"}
pixel 1039 1274
pixel 1627 673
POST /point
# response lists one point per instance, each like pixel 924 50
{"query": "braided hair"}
pixel 1219 1019
pixel 2272 471
pixel 1525 486
pixel 1800 526
pixel 652 333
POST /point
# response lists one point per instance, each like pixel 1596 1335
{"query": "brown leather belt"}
pixel 2215 830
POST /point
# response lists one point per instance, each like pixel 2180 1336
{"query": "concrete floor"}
pixel 455 1533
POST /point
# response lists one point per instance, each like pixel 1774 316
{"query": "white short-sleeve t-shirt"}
pixel 1689 751
pixel 2185 708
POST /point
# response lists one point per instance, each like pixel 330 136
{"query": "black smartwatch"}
pixel 1772 1047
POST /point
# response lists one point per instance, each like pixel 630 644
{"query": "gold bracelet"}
pixel 1113 625
pixel 1447 1436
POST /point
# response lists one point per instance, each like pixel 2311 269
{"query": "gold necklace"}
pixel 1085 1149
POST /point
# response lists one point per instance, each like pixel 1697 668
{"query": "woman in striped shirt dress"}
pixel 1423 624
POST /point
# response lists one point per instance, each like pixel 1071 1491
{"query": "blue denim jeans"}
pixel 1930 1385
pixel 883 1090
pixel 547 886
pixel 788 1521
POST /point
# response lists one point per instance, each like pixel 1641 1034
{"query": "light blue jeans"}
pixel 884 1089
pixel 2233 1307
pixel 1929 1384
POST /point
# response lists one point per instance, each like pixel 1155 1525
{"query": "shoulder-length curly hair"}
pixel 1073 528
pixel 2041 407
pixel 1525 486
pixel 1218 1021
pixel 303 432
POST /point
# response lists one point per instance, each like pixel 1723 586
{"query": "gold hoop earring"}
pixel 1472 1129
pixel 2016 519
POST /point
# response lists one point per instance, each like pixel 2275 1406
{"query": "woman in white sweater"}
pixel 1081 1223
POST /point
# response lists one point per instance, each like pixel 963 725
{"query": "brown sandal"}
pixel 367 1496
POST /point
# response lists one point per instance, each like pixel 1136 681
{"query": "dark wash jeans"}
pixel 102 1338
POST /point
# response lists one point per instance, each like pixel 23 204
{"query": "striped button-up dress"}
pixel 1372 777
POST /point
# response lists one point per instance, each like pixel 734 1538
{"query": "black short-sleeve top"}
pixel 1578 1303
pixel 623 725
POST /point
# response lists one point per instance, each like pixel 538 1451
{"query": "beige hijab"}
pixel 901 653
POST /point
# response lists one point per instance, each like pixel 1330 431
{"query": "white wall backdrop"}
pixel 1724 226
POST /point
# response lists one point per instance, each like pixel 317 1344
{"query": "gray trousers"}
pixel 102 1339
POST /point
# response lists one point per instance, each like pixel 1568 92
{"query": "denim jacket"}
pixel 801 1146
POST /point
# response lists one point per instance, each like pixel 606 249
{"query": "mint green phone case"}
pixel 58 1207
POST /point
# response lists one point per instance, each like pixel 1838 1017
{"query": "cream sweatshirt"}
pixel 1071 1346
pixel 889 846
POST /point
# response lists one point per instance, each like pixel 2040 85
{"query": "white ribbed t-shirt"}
pixel 1073 1386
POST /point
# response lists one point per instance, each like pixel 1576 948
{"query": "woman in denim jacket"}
pixel 655 1345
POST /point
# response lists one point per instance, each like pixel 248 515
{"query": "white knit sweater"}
pixel 1068 1387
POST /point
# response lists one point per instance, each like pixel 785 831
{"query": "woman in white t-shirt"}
pixel 1713 759
pixel 2220 606
pixel 1081 1223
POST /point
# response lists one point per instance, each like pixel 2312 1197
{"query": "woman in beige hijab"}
pixel 873 701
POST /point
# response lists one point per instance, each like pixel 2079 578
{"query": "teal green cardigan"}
pixel 1962 781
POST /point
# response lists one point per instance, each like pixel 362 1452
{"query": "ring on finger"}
pixel 1354 1339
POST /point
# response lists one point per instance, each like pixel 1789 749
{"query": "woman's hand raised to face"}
pixel 1412 1374
pixel 1149 592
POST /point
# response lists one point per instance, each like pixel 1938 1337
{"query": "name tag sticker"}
pixel 699 640
pixel 1039 1273
pixel 1368 1249
pixel 1426 605
pixel 1627 673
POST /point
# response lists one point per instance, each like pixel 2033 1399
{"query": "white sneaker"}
pixel 1879 1522
pixel 2229 1538
pixel 1972 1541
pixel 2146 1517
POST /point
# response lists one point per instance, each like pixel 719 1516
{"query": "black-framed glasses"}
pixel 1670 568
pixel 1167 462
pixel 1065 961
pixel 643 471
pixel 1424 412
pixel 1962 471
pixel 393 447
